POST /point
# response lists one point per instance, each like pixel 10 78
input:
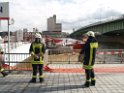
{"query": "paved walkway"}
pixel 63 82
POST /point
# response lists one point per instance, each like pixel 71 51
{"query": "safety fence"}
pixel 108 56
pixel 17 61
pixel 22 61
pixel 103 56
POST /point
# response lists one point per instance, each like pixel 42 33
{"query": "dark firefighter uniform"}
pixel 89 51
pixel 37 50
pixel 1 59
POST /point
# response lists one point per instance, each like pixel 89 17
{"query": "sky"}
pixel 73 14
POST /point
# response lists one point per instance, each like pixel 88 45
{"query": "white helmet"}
pixel 91 33
pixel 37 35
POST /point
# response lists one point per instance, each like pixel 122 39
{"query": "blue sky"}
pixel 72 13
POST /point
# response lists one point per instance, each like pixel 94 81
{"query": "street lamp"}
pixel 10 22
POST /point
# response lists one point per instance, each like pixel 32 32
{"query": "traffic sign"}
pixel 4 11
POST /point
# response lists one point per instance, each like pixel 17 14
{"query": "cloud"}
pixel 71 13
pixel 89 19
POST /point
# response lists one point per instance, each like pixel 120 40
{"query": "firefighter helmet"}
pixel 91 33
pixel 37 35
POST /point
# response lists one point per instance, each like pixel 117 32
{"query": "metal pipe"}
pixel 8 45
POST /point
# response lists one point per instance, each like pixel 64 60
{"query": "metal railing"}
pixel 18 61
pixel 22 61
pixel 103 56
pixel 109 56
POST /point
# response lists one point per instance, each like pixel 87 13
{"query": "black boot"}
pixel 87 84
pixel 33 80
pixel 93 82
pixel 4 73
pixel 41 80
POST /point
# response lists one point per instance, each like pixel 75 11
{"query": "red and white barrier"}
pixel 111 53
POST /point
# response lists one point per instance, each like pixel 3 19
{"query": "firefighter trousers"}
pixel 90 75
pixel 37 67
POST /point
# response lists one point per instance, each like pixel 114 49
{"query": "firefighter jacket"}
pixel 37 49
pixel 89 51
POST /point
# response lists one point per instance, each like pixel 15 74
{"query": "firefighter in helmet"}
pixel 37 50
pixel 1 60
pixel 89 51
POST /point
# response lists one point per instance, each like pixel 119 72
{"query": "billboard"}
pixel 4 10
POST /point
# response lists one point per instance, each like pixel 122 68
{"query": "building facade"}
pixel 52 25
pixel 19 35
pixel 28 36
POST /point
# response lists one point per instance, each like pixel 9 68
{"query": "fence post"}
pixel 46 57
pixel 69 58
pixel 104 59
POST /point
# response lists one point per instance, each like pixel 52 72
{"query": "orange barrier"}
pixel 72 70
pixel 5 66
pixel 79 70
pixel 47 68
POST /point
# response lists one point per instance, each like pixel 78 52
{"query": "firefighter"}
pixel 37 50
pixel 1 60
pixel 89 51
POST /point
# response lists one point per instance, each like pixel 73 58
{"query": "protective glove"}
pixel 36 56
